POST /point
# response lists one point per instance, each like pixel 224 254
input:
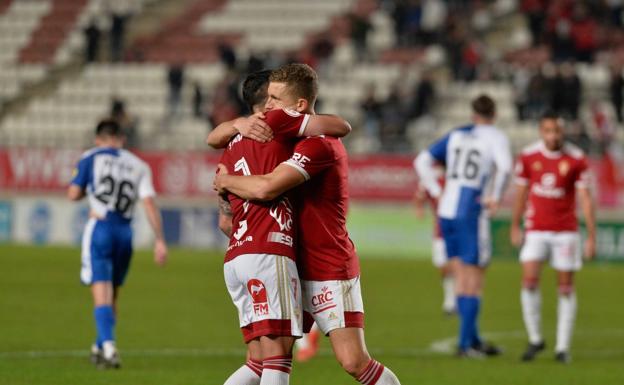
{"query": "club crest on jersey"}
pixel 536 166
pixel 282 213
pixel 258 293
pixel 564 167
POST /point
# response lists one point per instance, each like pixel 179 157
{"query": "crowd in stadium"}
pixel 543 74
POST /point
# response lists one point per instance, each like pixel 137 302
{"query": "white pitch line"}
pixel 449 344
pixel 442 346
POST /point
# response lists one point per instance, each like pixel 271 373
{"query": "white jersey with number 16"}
pixel 472 155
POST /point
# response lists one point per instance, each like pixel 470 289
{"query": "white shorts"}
pixel 438 253
pixel 333 304
pixel 563 248
pixel 266 291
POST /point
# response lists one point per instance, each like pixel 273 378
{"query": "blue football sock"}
pixel 465 327
pixel 476 309
pixel 105 323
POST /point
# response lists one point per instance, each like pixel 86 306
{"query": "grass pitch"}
pixel 177 325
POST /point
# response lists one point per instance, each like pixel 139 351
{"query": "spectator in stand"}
pixel 175 81
pixel 521 79
pixel 371 109
pixel 398 12
pixel 535 11
pixel 423 97
pixel 322 49
pixel 393 121
pixel 583 34
pixel 559 26
pixel 128 123
pixel 120 13
pixel 567 92
pixel 616 86
pixel 540 91
pixel 453 46
pixel 227 55
pixel 92 39
pixel 360 27
pixel 471 58
pixel 432 21
pixel 198 101
pixel 616 10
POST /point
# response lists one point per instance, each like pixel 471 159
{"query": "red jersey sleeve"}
pixel 522 171
pixel 582 177
pixel 312 156
pixel 287 123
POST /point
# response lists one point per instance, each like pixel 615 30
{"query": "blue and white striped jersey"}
pixel 114 179
pixel 472 155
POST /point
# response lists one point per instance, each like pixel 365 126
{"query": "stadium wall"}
pixel 382 221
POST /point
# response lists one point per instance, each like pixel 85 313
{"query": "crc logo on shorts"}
pixel 258 296
pixel 324 298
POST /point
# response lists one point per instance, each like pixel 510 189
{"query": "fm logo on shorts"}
pixel 258 296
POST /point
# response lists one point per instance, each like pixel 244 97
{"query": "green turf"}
pixel 177 325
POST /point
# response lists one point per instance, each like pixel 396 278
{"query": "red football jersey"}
pixel 552 178
pixel 263 227
pixel 325 250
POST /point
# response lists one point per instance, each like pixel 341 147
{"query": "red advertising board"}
pixel 189 174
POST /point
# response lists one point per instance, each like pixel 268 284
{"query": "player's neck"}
pixel 109 144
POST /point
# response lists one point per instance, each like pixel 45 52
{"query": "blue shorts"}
pixel 106 251
pixel 468 239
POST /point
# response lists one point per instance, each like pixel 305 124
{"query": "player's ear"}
pixel 302 105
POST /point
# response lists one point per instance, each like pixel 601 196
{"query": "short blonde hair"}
pixel 300 79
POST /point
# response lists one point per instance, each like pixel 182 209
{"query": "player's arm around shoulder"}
pixel 259 187
pixel 253 127
pixel 331 125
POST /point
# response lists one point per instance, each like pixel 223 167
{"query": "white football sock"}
pixel 274 377
pixel 276 370
pixel 248 374
pixel 108 349
pixel 376 374
pixel 448 287
pixel 566 314
pixel 532 313
pixel 388 378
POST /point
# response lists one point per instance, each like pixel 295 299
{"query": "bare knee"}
pixel 354 364
pixel 530 282
pixel 565 289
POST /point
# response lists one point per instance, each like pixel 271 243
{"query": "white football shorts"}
pixel 563 248
pixel 438 253
pixel 266 291
pixel 334 304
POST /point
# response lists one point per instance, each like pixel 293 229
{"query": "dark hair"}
pixel 300 79
pixel 108 127
pixel 550 114
pixel 255 88
pixel 484 106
